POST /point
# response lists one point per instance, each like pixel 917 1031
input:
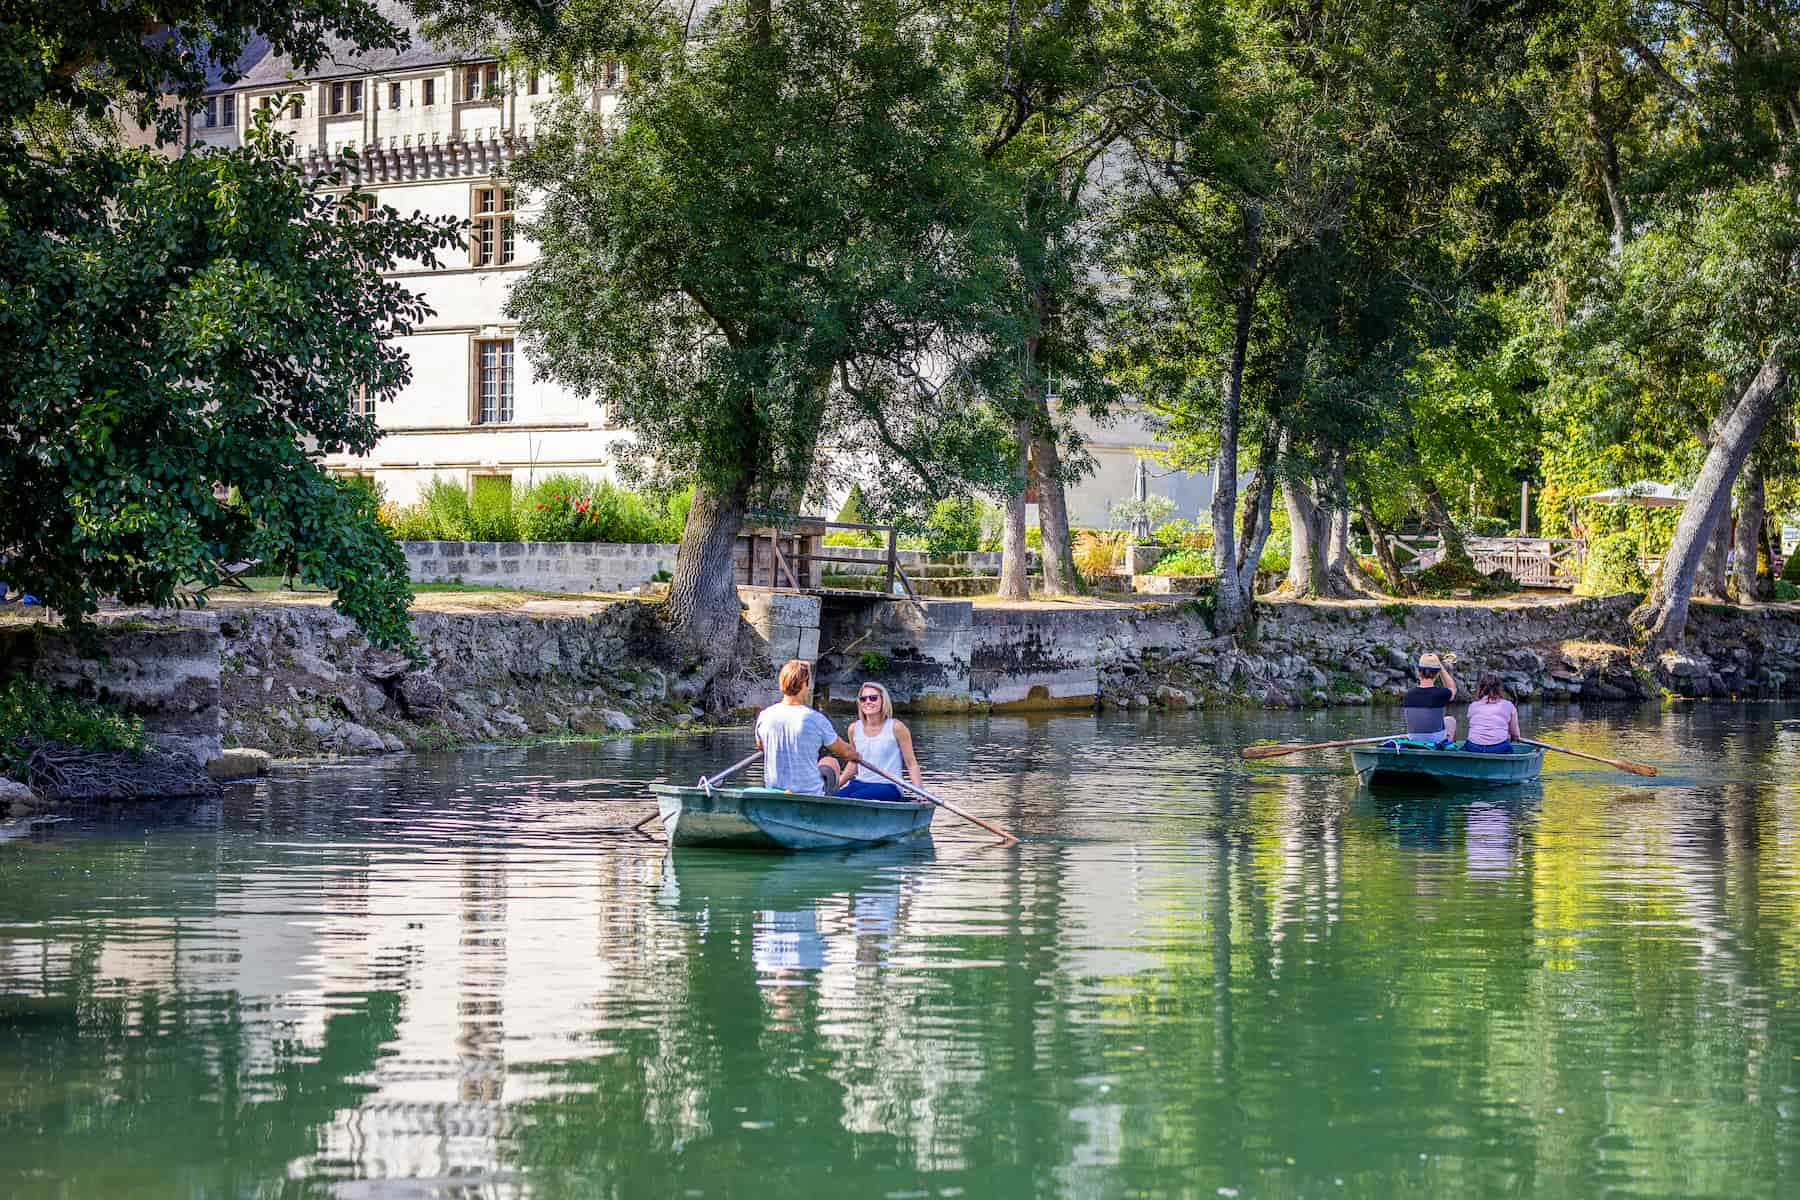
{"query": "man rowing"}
pixel 1424 704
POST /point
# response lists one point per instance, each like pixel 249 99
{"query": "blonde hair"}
pixel 887 701
pixel 796 677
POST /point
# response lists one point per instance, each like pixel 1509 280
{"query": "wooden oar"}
pixel 706 782
pixel 1278 751
pixel 1622 764
pixel 1004 836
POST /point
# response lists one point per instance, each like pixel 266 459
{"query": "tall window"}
pixel 362 404
pixel 346 97
pixel 219 112
pixel 393 95
pixel 492 244
pixel 481 81
pixel 494 381
pixel 612 73
pixel 427 93
pixel 296 107
pixel 531 84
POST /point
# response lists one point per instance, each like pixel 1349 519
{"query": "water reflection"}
pixel 465 972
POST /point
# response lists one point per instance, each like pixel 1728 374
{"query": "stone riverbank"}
pixel 297 680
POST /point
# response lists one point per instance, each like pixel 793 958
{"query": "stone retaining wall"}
pixel 540 566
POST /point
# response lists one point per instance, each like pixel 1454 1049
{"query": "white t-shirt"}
pixel 793 736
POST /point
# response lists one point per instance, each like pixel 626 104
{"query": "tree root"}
pixel 67 773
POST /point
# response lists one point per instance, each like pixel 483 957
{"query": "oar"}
pixel 1278 751
pixel 706 782
pixel 1636 768
pixel 941 803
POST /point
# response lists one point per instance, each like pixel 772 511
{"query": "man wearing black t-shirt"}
pixel 1423 706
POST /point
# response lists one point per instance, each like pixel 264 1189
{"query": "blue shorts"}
pixel 862 789
pixel 1496 748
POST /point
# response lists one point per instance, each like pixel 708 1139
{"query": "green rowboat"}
pixel 759 818
pixel 1450 770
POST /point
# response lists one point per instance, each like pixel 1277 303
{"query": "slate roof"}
pixel 260 68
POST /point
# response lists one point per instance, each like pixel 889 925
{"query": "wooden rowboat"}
pixel 758 818
pixel 1445 769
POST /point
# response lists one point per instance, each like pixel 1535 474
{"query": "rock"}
pixel 373 698
pixel 513 721
pixel 320 726
pixel 312 664
pixel 392 744
pixel 18 800
pixel 239 763
pixel 421 695
pixel 352 736
pixel 379 668
pixel 1681 666
pixel 1397 658
pixel 1140 701
pixel 617 721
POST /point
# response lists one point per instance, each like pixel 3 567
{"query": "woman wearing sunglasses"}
pixel 881 740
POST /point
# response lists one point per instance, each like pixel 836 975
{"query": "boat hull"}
pixel 771 819
pixel 1447 770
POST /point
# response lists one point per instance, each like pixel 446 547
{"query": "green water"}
pixel 456 976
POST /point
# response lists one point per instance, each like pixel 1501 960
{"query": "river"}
pixel 1195 977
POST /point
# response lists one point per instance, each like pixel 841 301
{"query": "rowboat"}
pixel 1418 766
pixel 759 818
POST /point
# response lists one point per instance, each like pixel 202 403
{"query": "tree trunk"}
pixel 1663 615
pixel 1013 582
pixel 1344 576
pixel 1438 514
pixel 702 608
pixel 1060 576
pixel 1384 550
pixel 1309 533
pixel 1259 503
pixel 1230 599
pixel 1709 578
pixel 1751 505
pixel 1607 151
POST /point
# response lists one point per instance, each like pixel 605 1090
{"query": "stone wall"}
pixel 540 566
pixel 919 652
pixel 163 668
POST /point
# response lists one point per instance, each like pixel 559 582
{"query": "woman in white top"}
pixel 881 740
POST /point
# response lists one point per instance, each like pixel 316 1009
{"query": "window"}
pixel 531 84
pixel 427 93
pixel 219 112
pixel 494 381
pixel 393 95
pixel 492 244
pixel 296 107
pixel 612 73
pixel 346 97
pixel 481 81
pixel 362 404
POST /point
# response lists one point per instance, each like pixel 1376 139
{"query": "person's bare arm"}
pixel 903 736
pixel 844 751
pixel 1513 721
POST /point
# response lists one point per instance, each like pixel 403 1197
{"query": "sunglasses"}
pixel 870 699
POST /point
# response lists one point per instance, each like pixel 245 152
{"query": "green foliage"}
pixel 873 662
pixel 1786 591
pixel 1397 612
pixel 183 328
pixel 1182 534
pixel 956 524
pixel 1155 510
pixel 31 716
pixel 1790 570
pixel 1184 562
pixel 1612 566
pixel 557 508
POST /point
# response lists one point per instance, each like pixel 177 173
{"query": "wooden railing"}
pixel 789 555
pixel 1534 562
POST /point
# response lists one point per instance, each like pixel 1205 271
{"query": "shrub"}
pixel 443 511
pixel 1182 534
pixel 1790 570
pixel 1097 552
pixel 1184 562
pixel 854 537
pixel 1273 559
pixel 1785 591
pixel 1612 566
pixel 31 715
pixel 955 525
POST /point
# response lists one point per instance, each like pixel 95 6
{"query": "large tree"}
pixel 183 333
pixel 783 251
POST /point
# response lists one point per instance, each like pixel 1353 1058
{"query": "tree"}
pixel 1694 108
pixel 182 336
pixel 786 244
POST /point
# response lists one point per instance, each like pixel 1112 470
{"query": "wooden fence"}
pixel 790 556
pixel 1534 562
